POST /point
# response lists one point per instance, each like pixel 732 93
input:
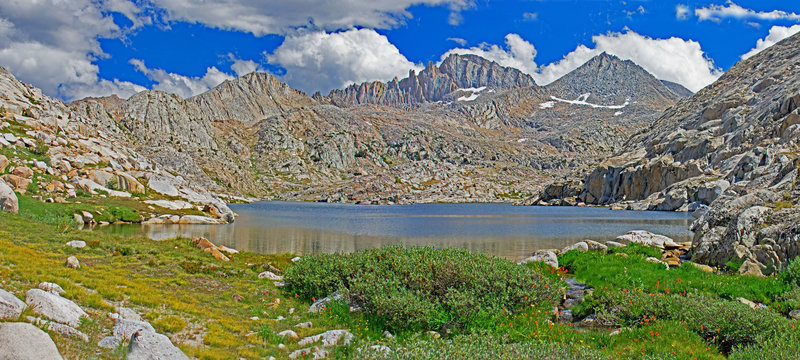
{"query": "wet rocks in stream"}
pixel 574 296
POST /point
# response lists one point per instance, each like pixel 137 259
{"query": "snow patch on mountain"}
pixel 581 100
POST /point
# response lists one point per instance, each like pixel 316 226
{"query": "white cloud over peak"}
pixel 244 67
pixel 261 17
pixel 518 53
pixel 674 59
pixel 776 34
pixel 184 86
pixel 731 10
pixel 53 44
pixel 324 61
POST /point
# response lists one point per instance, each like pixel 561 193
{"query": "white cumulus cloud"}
pixel 261 17
pixel 776 34
pixel 53 44
pixel 324 61
pixel 731 10
pixel 184 86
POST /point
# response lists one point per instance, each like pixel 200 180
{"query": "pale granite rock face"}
pixel 25 341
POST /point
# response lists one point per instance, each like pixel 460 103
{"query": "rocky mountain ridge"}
pixel 457 77
pixel 256 136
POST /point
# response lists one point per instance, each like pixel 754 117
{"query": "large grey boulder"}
pixel 148 345
pixel 580 246
pixel 23 341
pixel 546 256
pixel 197 219
pixel 54 307
pixel 8 199
pixel 10 306
pixel 645 238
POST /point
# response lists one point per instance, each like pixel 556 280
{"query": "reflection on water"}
pixel 496 229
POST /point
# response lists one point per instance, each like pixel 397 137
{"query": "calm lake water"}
pixel 497 229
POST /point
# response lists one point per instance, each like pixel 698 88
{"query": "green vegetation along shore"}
pixel 395 303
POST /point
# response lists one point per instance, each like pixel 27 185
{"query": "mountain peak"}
pixel 434 83
pixel 611 80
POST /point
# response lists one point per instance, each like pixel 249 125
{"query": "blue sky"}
pixel 99 47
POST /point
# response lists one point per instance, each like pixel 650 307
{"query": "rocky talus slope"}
pixel 729 153
pixel 49 149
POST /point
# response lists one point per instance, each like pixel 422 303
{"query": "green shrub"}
pixel 733 266
pixel 791 276
pixel 783 344
pixel 269 336
pixel 82 193
pixel 423 288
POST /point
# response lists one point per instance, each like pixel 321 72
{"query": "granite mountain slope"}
pixel 53 152
pixel 733 146
pixel 499 139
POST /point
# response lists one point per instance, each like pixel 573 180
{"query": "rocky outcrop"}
pixel 457 77
pixel 748 230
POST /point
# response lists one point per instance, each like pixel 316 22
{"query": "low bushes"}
pixel 423 288
pixel 726 323
pixel 479 345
